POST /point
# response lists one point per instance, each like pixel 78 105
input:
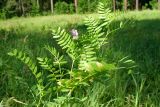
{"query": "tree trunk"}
pixel 19 8
pixel 75 4
pixel 125 4
pixel 88 5
pixel 52 6
pixel 114 5
pixel 158 4
pixel 137 4
pixel 22 7
pixel 38 3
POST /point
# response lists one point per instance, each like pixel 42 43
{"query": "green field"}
pixel 139 39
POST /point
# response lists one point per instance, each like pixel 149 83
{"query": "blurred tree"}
pixel 114 5
pixel 52 6
pixel 159 4
pixel 38 3
pixel 75 4
pixel 137 4
pixel 125 4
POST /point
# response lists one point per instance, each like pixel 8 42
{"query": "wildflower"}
pixel 74 33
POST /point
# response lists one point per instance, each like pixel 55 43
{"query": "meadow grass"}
pixel 139 39
pixel 40 21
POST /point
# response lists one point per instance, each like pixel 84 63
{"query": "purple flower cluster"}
pixel 74 33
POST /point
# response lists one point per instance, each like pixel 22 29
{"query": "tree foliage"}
pixel 11 8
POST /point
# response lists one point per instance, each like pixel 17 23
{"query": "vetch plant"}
pixel 59 77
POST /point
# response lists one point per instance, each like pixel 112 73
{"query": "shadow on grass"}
pixel 140 40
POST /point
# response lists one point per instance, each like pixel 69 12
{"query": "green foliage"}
pixel 79 65
pixel 2 14
pixel 64 8
pixel 61 7
pixel 145 6
pixel 38 75
pixel 71 8
pixel 22 56
pixel 90 5
pixel 34 10
pixel 10 8
pixel 154 4
pixel 65 41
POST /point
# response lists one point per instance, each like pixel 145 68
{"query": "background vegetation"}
pixel 17 8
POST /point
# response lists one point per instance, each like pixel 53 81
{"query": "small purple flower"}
pixel 74 33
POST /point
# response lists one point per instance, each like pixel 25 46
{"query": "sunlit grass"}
pixel 39 21
pixel 62 20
